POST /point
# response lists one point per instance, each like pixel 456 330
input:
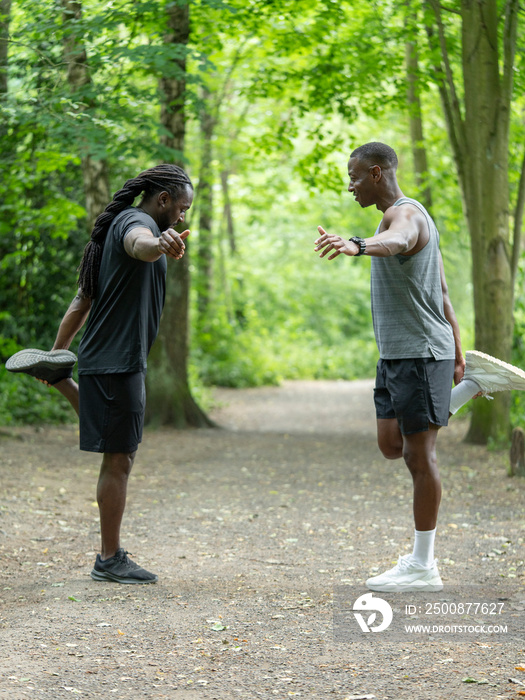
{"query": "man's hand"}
pixel 336 243
pixel 171 243
pixel 459 370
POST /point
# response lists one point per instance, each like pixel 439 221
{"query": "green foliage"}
pixel 284 313
pixel 227 356
pixel 24 400
pixel 293 86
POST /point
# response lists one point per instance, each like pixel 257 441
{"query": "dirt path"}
pixel 250 528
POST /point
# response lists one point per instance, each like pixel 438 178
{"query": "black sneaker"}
pixel 121 569
pixel 50 366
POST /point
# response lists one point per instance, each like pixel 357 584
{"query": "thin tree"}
pixel 207 120
pixel 94 170
pixel 419 152
pixel 209 116
pixel 5 14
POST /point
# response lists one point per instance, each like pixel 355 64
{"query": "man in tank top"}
pixel 418 337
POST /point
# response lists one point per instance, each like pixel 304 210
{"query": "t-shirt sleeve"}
pixel 128 220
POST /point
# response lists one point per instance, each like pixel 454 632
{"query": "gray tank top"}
pixel 407 302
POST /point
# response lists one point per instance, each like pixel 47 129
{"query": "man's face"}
pixel 174 211
pixel 361 182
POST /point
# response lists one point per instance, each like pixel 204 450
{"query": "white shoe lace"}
pixel 403 563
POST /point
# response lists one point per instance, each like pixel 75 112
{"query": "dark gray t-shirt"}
pixel 125 315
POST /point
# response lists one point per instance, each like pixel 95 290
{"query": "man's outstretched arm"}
pixel 401 234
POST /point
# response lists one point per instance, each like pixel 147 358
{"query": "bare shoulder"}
pixel 405 216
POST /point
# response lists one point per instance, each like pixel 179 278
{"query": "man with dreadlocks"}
pixel 121 293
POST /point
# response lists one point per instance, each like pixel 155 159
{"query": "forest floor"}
pixel 259 533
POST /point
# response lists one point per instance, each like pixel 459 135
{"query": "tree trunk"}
pixel 6 145
pixel 5 14
pixel 487 202
pixel 479 135
pixel 517 453
pixel 94 172
pixel 227 210
pixel 205 197
pixel 169 398
pixel 96 187
pixel 419 153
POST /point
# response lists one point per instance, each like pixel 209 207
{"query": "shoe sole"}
pixel 106 576
pixel 32 359
pixel 433 587
pixel 487 362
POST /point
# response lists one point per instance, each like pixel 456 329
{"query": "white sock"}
pixel 423 553
pixel 462 393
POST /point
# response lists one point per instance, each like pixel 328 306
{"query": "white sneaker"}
pixel 407 576
pixel 491 374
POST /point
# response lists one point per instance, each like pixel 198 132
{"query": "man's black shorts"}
pixel 112 410
pixel 415 391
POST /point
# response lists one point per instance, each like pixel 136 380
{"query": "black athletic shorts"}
pixel 416 392
pixel 111 411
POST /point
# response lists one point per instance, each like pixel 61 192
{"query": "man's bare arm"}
pixel 140 243
pixel 450 315
pixel 401 234
pixel 73 320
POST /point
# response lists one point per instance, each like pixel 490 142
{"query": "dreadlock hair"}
pixel 376 153
pixel 165 177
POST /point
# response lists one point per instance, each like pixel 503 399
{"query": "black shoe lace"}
pixel 123 556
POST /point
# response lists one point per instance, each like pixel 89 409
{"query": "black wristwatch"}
pixel 361 243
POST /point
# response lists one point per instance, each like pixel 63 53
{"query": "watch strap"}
pixel 359 242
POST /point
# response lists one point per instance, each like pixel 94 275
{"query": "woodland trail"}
pixel 253 530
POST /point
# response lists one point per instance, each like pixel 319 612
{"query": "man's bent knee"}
pixel 391 451
pixel 389 438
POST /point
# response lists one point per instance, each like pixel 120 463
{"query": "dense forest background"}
pixel 262 102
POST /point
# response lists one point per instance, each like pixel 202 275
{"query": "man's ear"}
pixel 376 172
pixel 163 198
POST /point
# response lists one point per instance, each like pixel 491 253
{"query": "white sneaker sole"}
pixel 432 586
pixel 477 360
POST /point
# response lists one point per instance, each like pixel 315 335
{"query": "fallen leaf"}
pixel 218 627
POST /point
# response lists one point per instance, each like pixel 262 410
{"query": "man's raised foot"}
pixel 50 366
pixel 491 374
